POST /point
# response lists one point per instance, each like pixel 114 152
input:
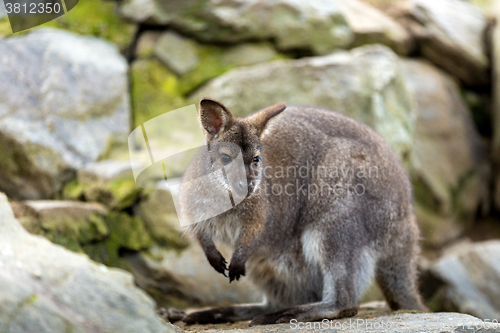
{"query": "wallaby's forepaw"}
pixel 219 263
pixel 236 270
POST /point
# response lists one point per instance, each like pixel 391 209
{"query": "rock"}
pixel 372 317
pixel 110 182
pixel 158 212
pixel 451 34
pixel 85 227
pixel 51 123
pixel 156 89
pixel 46 288
pixel 3 12
pixel 248 54
pixel 372 26
pixel 471 274
pixel 185 278
pixel 365 83
pixel 179 54
pixel 450 168
pixel 496 104
pixel 146 43
pixel 316 25
pixel 67 223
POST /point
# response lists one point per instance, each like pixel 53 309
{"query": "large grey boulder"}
pixel 450 169
pixel 46 288
pixel 471 276
pixel 63 102
pixel 450 33
pixel 365 83
pixel 317 25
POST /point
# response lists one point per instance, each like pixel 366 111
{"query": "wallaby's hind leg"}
pixel 396 274
pixel 344 279
pixel 397 280
pixel 339 300
pixel 226 314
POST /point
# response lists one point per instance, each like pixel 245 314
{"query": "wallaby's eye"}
pixel 256 159
pixel 225 158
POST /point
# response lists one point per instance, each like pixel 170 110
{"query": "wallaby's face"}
pixel 232 139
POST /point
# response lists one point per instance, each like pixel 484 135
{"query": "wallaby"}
pixel 328 206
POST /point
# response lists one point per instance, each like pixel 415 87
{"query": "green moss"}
pixel 216 60
pixel 155 90
pixel 31 299
pixel 73 191
pixel 96 18
pixel 13 158
pixel 89 17
pixel 125 232
pixel 5 29
pixel 125 192
pixel 423 194
pixel 71 232
pixel 211 65
pixel 116 194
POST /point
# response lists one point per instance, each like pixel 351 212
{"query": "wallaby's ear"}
pixel 214 117
pixel 260 118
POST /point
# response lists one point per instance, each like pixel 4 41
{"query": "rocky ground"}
pixel 424 74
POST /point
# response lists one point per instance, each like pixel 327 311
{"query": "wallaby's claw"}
pixel 236 271
pixel 219 264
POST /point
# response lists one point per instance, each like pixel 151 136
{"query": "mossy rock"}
pixel 157 211
pixel 216 60
pixel 90 17
pixel 155 90
pixel 64 223
pixel 108 182
pixel 86 228
pixel 5 29
pixel 117 194
pixel 72 232
pixel 125 233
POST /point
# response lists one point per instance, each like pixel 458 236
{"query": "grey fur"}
pixel 311 255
